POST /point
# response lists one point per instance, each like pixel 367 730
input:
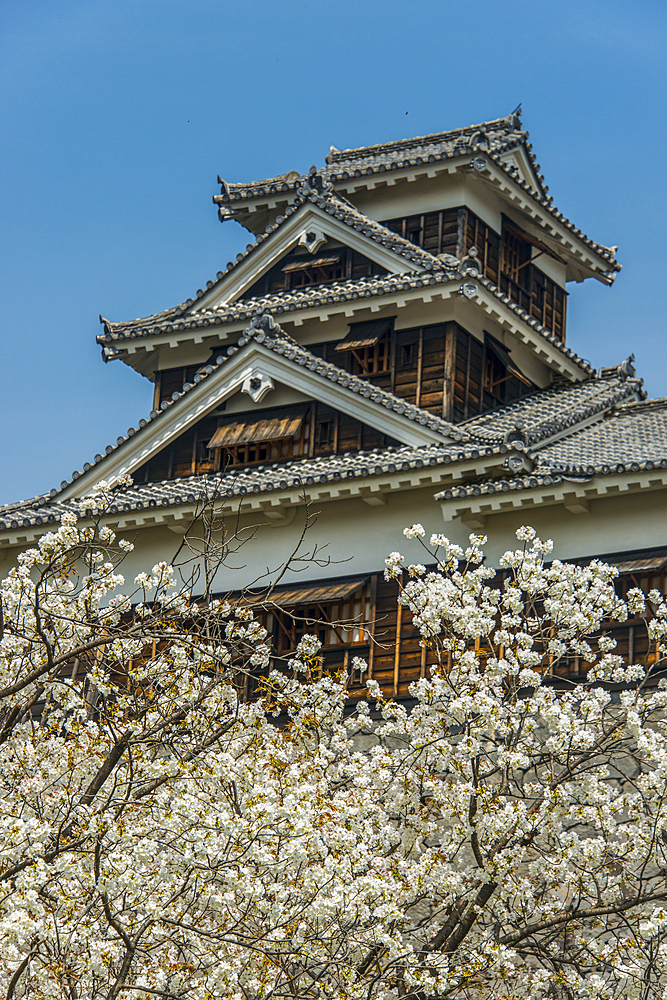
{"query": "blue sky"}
pixel 118 115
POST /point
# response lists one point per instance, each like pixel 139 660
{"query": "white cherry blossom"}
pixel 503 835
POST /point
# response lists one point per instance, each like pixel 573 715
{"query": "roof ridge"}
pixel 37 501
pixel 332 172
pixel 314 188
pixel 298 298
pixel 239 191
pixel 430 139
pixel 570 418
pixel 641 406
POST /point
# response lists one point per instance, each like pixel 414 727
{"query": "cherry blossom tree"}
pixel 503 837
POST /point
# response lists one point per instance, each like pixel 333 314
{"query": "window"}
pixel 260 439
pixel 324 434
pixel 297 271
pixel 516 256
pixel 437 232
pixel 507 262
pixel 369 346
pixel 335 611
pixel 502 379
pixel 305 271
pixel 171 380
pixel 406 355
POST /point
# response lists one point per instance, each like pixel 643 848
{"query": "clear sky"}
pixel 118 115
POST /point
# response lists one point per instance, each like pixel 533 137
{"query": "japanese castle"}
pixel 390 347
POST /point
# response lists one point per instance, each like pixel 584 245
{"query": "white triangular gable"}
pixel 284 240
pixel 252 362
pixel 519 159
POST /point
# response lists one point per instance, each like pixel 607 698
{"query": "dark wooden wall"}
pixel 441 368
pixel 324 431
pixel 387 639
pixel 504 258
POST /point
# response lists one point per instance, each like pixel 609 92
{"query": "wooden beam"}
pixel 448 373
pixel 156 391
pixel 420 354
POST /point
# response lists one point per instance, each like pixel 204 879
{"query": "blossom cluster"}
pixel 163 834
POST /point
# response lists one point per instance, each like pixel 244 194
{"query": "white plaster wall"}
pixel 194 354
pixel 282 395
pixel 354 538
pixel 615 524
pixel 431 195
pixel 351 537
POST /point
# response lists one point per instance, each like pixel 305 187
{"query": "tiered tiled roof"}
pixel 619 432
pixel 315 297
pixel 276 302
pixel 264 330
pixel 419 259
pixel 569 432
pixel 499 136
pixel 492 139
pixel 631 435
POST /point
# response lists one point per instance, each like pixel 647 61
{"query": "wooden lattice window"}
pixel 499 372
pixel 547 302
pixel 632 641
pixel 508 263
pixel 171 380
pixel 339 612
pixel 516 257
pixel 319 271
pixel 249 441
pixel 369 346
pixel 336 611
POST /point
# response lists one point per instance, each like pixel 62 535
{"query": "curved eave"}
pixel 369 476
pixel 549 488
pixel 584 252
pixel 400 292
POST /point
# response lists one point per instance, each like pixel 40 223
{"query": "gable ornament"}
pixel 256 385
pixel 313 183
pixel 312 238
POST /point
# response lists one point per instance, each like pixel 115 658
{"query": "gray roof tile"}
pixel 500 135
pixel 633 435
pixel 548 412
pixel 444 272
pixel 252 480
pixel 629 438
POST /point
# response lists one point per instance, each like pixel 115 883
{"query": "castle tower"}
pixel 390 347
